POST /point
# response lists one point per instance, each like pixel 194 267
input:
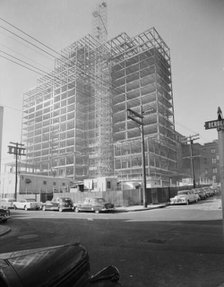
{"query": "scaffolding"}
pixel 75 121
pixel 67 124
pixel 141 79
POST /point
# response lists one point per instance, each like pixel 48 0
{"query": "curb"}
pixel 123 209
pixel 4 230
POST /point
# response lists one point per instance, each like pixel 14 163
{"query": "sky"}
pixel 193 30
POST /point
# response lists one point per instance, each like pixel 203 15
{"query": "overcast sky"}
pixel 193 29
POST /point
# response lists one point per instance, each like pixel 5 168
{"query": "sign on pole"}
pixel 219 125
pixel 214 124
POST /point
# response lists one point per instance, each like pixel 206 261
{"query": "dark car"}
pixel 56 266
pixel 58 204
pixel 94 204
pixel 4 215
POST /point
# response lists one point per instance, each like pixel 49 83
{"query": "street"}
pixel 172 246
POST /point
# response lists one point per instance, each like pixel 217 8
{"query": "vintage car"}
pixel 184 197
pixel 97 205
pixel 201 193
pixel 58 204
pixel 4 215
pixel 26 204
pixel 6 203
pixel 63 265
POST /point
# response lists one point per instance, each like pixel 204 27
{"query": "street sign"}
pixel 214 124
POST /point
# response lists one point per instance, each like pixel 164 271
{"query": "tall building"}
pixel 75 120
pixel 141 81
pixel 67 122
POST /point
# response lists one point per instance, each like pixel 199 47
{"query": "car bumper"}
pixel 67 207
pixel 178 202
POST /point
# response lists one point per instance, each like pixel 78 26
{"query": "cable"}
pixel 24 62
pixel 82 71
pixel 21 65
pixel 26 40
pixel 14 51
pixel 30 36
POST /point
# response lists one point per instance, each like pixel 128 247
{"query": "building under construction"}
pixel 75 121
pixel 141 81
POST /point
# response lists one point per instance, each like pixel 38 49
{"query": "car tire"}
pixel 76 209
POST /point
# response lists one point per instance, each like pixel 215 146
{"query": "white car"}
pixel 6 203
pixel 184 197
pixel 26 204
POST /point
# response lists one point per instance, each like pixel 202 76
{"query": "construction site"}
pixel 75 121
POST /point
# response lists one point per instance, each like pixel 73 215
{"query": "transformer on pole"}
pixel 18 150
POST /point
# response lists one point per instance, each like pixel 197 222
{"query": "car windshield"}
pixel 182 192
pixel 66 199
pixel 100 200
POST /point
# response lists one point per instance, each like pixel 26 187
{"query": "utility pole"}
pixel 18 150
pixel 219 125
pixel 191 140
pixel 138 118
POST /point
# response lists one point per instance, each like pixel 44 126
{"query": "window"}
pixel 213 150
pixel 213 160
pixel 108 184
pixel 45 182
pixel 214 170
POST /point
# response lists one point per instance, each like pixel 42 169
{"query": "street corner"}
pixel 4 229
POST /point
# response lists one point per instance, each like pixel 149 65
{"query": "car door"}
pixel 87 204
pixel 21 204
pixel 191 196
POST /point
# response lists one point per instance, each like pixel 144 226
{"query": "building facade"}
pixel 75 121
pixel 211 168
pixel 141 81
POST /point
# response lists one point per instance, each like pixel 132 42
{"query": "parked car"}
pixel 58 203
pixel 209 191
pixel 184 197
pixel 4 215
pixel 202 194
pixel 6 203
pixel 94 204
pixel 26 204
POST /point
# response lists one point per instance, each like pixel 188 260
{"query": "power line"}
pixel 82 71
pixel 14 51
pixel 26 40
pixel 20 65
pixel 38 41
pixel 23 62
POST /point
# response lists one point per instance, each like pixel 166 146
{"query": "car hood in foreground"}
pixel 64 265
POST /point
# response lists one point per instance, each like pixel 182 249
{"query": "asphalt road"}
pixel 172 246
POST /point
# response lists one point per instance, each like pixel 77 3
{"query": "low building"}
pixel 33 186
